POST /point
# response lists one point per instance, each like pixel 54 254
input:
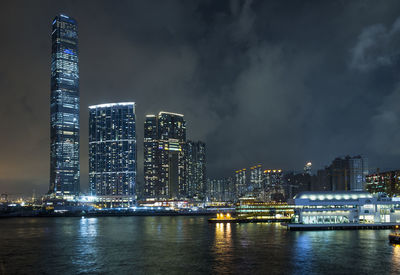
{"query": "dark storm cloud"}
pixel 267 82
pixel 377 46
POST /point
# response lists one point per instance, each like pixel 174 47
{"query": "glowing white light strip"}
pixel 169 113
pixel 113 140
pixel 109 173
pixel 106 105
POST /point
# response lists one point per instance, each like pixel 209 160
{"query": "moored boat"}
pixel 394 238
pixel 223 218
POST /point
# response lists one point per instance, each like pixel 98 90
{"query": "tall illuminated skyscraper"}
pixel 195 169
pixel 64 108
pixel 112 149
pixel 151 187
pixel 164 161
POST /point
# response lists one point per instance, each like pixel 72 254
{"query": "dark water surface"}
pixel 186 245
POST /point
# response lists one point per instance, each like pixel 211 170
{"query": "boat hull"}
pixel 394 238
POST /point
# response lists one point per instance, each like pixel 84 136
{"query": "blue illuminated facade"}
pixel 112 149
pixel 64 108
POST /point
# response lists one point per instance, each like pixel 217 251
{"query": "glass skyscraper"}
pixel 112 149
pixel 64 108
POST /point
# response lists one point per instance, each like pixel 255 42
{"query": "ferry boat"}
pixel 223 218
pixel 394 237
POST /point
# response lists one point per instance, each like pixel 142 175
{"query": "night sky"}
pixel 272 82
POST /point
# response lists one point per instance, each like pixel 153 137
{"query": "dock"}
pixel 342 226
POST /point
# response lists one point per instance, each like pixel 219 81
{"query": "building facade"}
pixel 112 149
pixel 150 158
pixel 344 207
pixel 241 183
pixel 348 173
pixel 256 179
pixel 164 159
pixel 221 190
pixel 272 187
pixel 384 182
pixel 64 108
pixel 195 166
pixel 307 168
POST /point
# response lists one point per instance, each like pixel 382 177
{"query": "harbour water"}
pixel 187 245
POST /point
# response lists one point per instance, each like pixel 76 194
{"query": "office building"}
pixel 348 173
pixel 112 150
pixel 64 108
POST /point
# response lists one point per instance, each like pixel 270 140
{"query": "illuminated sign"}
pixel 68 51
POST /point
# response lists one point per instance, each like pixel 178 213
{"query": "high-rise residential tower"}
pixel 64 108
pixel 150 159
pixel 112 149
pixel 195 167
pixel 256 177
pixel 240 183
pixel 164 161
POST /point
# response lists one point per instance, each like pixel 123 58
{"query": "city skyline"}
pixel 253 113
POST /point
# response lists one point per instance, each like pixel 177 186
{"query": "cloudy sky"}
pixel 272 82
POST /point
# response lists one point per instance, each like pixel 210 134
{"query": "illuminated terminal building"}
pixel 64 108
pixel 345 207
pixel 112 151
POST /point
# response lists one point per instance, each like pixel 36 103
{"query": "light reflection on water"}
pixel 223 248
pixel 86 252
pixel 396 258
pixel 186 245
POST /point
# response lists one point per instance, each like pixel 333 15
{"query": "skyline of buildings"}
pixel 174 168
pixel 64 108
